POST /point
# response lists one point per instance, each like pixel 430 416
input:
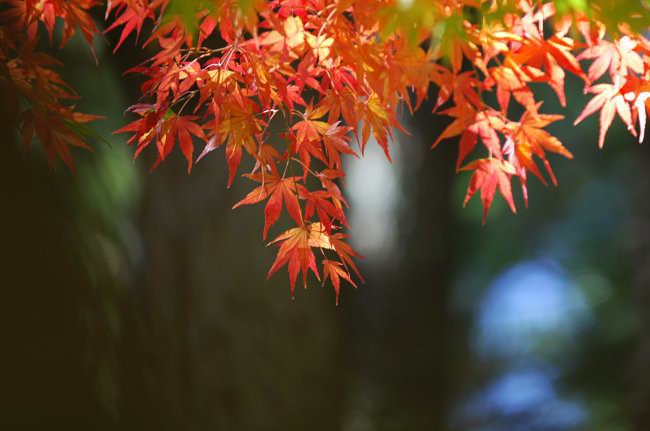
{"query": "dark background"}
pixel 140 301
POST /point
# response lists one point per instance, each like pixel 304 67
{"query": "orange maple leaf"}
pixel 528 139
pixel 471 124
pixel 295 249
pixel 309 129
pixel 554 54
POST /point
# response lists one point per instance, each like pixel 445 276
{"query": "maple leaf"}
pixel 308 133
pixel 320 201
pixel 470 125
pixel 288 38
pixel 460 46
pixel 345 252
pixel 145 128
pixel 240 130
pixel 464 115
pixel 130 14
pixel 57 132
pixel 335 272
pixel 554 54
pixel 326 178
pixel 295 249
pixel 512 81
pixel 307 73
pixel 294 32
pixel 289 93
pixel 640 107
pixel 376 115
pixel 183 126
pixel 277 189
pixel 617 56
pixel 527 138
pixel 343 103
pixel 163 128
pixel 335 142
pixel 609 100
pixel 483 127
pixel 461 86
pixel 75 15
pixel 320 44
pixel 488 174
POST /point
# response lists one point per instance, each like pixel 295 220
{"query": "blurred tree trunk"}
pixel 45 291
pixel 639 372
pixel 399 335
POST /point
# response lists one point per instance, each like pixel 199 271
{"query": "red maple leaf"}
pixel 488 174
pixel 277 189
pixel 335 272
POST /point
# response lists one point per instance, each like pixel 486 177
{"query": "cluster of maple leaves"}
pixel 332 73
